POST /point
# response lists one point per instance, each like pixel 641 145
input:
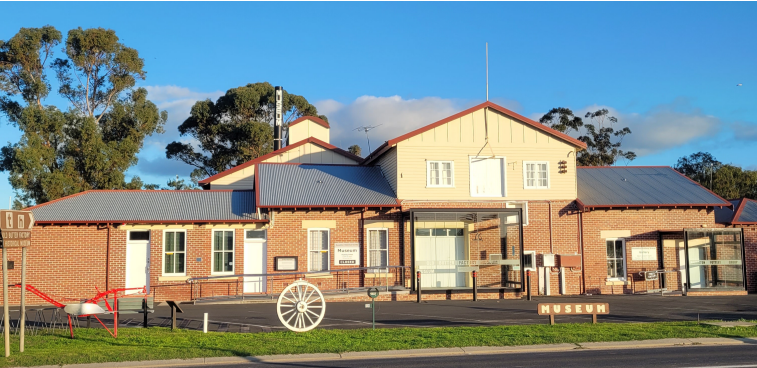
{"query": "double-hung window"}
pixel 536 174
pixel 616 263
pixel 378 248
pixel 440 174
pixel 174 253
pixel 223 251
pixel 318 250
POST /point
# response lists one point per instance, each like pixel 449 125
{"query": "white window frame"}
pixel 525 175
pixel 328 251
pixel 233 252
pixel 368 247
pixel 533 260
pixel 522 205
pixel 504 176
pixel 625 260
pixel 163 253
pixel 428 173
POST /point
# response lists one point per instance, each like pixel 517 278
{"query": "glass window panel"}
pixel 255 234
pixel 169 263
pixel 618 249
pixel 180 238
pixel 423 232
pixel 217 262
pixel 528 260
pixel 324 261
pixel 228 259
pixel 610 249
pixel 169 242
pixel 459 232
pixel 611 268
pixel 440 232
pixel 180 261
pixel 139 235
pixel 229 240
pixel 218 240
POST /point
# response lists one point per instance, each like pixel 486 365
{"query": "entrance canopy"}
pixel 448 245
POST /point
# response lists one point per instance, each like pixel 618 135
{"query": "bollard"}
pixel 144 313
pixel 475 286
pixel 205 323
pixel 418 285
pixel 528 284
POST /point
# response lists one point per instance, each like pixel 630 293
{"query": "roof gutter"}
pixel 38 222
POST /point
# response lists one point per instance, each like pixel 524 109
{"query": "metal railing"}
pixel 345 280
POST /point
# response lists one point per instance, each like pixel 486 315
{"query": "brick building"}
pixel 485 190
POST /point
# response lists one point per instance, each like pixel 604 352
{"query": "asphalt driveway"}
pixel 262 317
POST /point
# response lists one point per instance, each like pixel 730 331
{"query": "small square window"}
pixel 536 174
pixel 440 174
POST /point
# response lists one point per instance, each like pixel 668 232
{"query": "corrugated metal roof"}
pixel 323 185
pixel 725 215
pixel 637 186
pixel 149 206
pixel 749 213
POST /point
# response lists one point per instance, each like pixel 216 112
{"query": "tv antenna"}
pixel 487 72
pixel 366 129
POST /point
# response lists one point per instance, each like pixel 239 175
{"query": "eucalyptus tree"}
pixel 236 128
pixel 94 139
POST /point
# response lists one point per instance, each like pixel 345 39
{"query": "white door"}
pixel 682 264
pixel 255 260
pixel 696 273
pixel 442 249
pixel 137 261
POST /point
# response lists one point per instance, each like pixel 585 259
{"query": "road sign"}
pixel 16 228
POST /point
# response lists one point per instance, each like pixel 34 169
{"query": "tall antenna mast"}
pixel 487 72
pixel 366 129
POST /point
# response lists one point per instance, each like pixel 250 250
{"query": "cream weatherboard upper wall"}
pixel 308 153
pixel 458 140
pixel 306 129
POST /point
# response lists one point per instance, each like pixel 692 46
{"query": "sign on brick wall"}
pixel 346 254
pixel 644 253
pixel 15 228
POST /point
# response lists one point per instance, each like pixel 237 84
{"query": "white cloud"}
pixel 660 128
pixel 393 116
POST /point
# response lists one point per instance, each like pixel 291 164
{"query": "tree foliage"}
pixel 62 152
pixel 236 128
pixel 726 180
pixel 603 142
pixel 355 150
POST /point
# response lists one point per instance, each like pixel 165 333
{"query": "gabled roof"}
pixel 149 206
pixel 744 212
pixel 488 104
pixel 312 140
pixel 641 186
pixel 316 120
pixel 314 185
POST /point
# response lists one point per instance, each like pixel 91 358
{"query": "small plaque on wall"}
pixel 285 263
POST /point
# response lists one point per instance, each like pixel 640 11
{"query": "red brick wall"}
pixel 643 225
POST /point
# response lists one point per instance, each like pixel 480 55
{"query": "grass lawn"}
pixel 96 345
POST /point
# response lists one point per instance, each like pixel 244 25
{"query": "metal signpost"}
pixel 373 293
pixel 15 232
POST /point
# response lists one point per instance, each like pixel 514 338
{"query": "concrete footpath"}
pixel 435 353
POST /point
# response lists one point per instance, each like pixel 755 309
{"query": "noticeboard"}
pixel 16 228
pixel 346 254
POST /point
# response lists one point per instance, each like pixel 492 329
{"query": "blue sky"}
pixel 667 70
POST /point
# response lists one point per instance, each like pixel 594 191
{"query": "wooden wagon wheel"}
pixel 301 306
